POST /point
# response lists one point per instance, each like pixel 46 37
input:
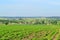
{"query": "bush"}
pixel 6 23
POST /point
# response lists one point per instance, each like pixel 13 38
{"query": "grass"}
pixel 29 32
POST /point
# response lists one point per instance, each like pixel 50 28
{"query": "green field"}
pixel 29 32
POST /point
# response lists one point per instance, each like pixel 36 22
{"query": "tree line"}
pixel 35 21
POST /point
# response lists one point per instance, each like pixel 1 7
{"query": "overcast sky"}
pixel 29 7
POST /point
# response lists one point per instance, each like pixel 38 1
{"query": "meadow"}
pixel 29 32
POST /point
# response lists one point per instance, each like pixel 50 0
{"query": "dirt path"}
pixel 32 35
pixel 29 37
pixel 56 35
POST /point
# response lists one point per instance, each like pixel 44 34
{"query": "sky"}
pixel 29 8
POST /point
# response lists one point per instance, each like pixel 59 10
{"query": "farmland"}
pixel 46 28
pixel 29 32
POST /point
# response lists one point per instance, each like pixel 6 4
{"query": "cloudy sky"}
pixel 29 7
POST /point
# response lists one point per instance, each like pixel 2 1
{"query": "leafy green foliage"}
pixel 28 32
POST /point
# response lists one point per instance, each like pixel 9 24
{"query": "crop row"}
pixel 29 32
